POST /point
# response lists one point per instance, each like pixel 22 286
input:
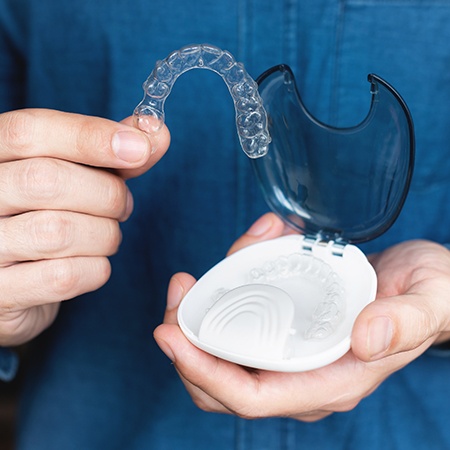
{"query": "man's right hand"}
pixel 62 196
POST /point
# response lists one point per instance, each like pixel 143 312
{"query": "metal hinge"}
pixel 336 248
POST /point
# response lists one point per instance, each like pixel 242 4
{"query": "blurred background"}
pixel 9 396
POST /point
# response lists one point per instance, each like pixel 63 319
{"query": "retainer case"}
pixel 289 304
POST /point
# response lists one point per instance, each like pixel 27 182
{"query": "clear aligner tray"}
pixel 251 118
pixel 289 304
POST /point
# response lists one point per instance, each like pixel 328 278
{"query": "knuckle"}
pixel 18 130
pixel 424 321
pixel 429 324
pixel 39 179
pixel 430 319
pixel 90 137
pixel 103 271
pixel 115 198
pixel 50 232
pixel 62 277
pixel 114 238
pixel 66 278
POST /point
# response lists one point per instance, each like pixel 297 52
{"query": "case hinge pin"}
pixel 336 249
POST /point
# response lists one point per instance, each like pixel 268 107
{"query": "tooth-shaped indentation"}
pixel 254 320
pixel 329 310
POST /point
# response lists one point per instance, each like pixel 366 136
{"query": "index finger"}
pixel 78 138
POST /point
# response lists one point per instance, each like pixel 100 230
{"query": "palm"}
pixel 414 281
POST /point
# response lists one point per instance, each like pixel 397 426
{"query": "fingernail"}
pixel 130 146
pixel 379 336
pixel 174 294
pixel 261 226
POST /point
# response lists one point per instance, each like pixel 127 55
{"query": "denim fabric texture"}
pixel 9 362
pixel 97 380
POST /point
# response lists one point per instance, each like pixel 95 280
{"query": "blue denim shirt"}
pixel 96 379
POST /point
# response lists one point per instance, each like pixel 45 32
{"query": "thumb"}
pixel 159 143
pixel 268 226
pixel 396 324
pixel 179 285
pixel 93 141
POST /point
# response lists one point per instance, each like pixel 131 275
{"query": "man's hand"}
pixel 62 196
pixel 412 310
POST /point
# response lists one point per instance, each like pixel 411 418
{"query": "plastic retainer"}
pixel 330 310
pixel 251 117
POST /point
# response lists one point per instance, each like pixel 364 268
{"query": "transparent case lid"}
pixel 341 184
